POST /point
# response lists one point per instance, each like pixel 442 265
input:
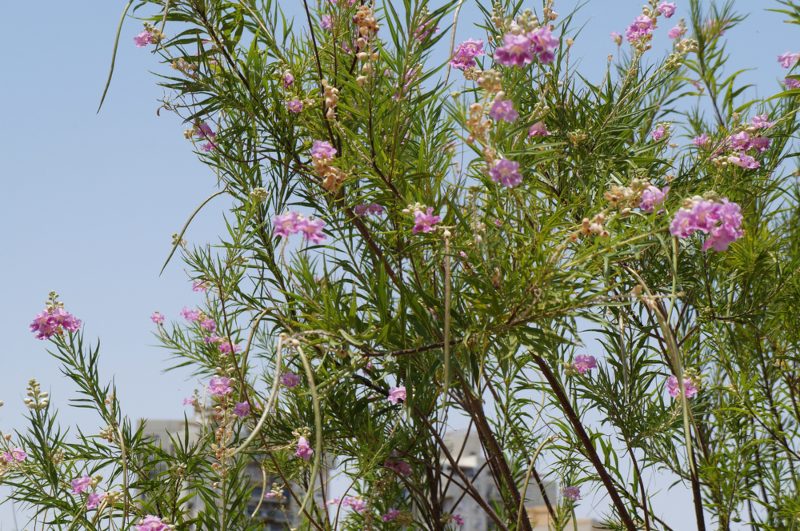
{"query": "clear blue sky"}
pixel 88 202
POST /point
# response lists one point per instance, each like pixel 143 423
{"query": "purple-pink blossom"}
pixel 584 363
pixel 15 455
pixel 424 221
pixel 465 54
pixel 652 196
pixel 151 523
pixel 290 379
pixel 761 121
pixel 677 32
pixel 143 39
pixel 227 347
pixel 241 409
pixel 789 59
pixel 208 324
pixel 311 229
pixel 323 151
pixel 288 80
pixel 700 141
pixel 295 105
pixel 326 22
pixel 543 44
pixel 721 222
pixel 506 172
pixel 792 83
pixel 458 519
pixel 81 484
pixel 572 493
pixel 54 321
pixel 516 51
pixel 190 401
pixel 659 133
pixel 503 110
pixel 358 505
pixel 425 30
pixel 667 9
pixel 674 389
pixel 365 209
pixel 397 394
pixel 745 161
pixel 286 224
pixel 398 466
pixel 94 500
pixel 538 129
pixel 390 515
pixel 157 318
pixel 220 386
pixel 190 314
pixel 304 450
pixel 641 28
pixel 203 130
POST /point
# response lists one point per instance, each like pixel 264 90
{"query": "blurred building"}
pixel 467 450
pixel 273 506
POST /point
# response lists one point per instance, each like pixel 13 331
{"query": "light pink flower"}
pixel 81 484
pixel 94 500
pixel 312 229
pixel 465 54
pixel 658 133
pixel 241 409
pixel 226 347
pixel 458 520
pixel 792 83
pixel 390 515
pixel 204 131
pixel 652 197
pixel 143 39
pixel 199 286
pixel 397 394
pixel 744 161
pixel 288 80
pixel 364 209
pixel 667 9
pixel 295 106
pixel 516 51
pixel 543 44
pixel 326 22
pixel 761 121
pixel 190 401
pixel 208 324
pixel 641 28
pixel 676 32
pixel 157 318
pixel 286 224
pixel 584 363
pixel 322 150
pixel 789 59
pixel 538 129
pixel 700 141
pixel 190 314
pixel 220 386
pixel 54 321
pixel 572 493
pixel 358 505
pixel 506 172
pixel 503 110
pixel 674 389
pixel 304 450
pixel 424 221
pixel 151 523
pixel 290 379
pixel 720 221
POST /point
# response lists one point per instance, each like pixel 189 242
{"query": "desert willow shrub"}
pixel 598 277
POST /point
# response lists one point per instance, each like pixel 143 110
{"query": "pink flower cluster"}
pixel 674 389
pixel 539 129
pixel 506 172
pixel 676 32
pixel 81 484
pixel 789 59
pixel 667 9
pixel 520 50
pixel 152 523
pixel 368 209
pixel 143 39
pixel 721 221
pixel 584 363
pixel 748 141
pixel 241 409
pixel 295 106
pixel 465 54
pixel 304 450
pixel 424 221
pixel 94 500
pixel 390 515
pixel 397 394
pixel 220 386
pixel 652 197
pixel 54 321
pixel 572 493
pixel 203 131
pixel 293 222
pixel 290 380
pixel 14 455
pixel 503 110
pixel 792 83
pixel 640 29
